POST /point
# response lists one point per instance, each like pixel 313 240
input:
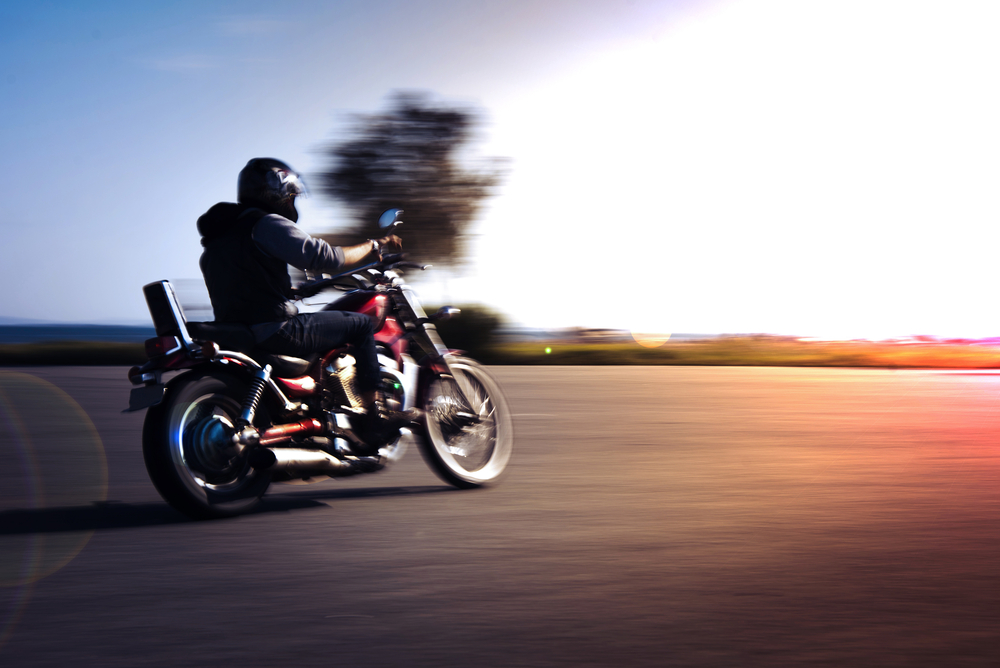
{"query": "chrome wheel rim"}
pixel 474 442
pixel 199 447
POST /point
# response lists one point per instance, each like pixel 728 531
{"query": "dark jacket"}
pixel 246 284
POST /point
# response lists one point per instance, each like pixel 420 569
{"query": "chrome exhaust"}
pixel 303 463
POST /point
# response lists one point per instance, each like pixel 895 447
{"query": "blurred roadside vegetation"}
pixel 475 332
pixel 72 353
pixel 752 351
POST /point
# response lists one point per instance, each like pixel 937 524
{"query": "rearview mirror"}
pixel 446 313
pixel 390 219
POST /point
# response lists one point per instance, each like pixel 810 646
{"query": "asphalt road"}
pixel 659 516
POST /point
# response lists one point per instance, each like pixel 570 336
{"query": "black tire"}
pixel 462 454
pixel 185 443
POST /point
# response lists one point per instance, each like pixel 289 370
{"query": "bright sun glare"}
pixel 823 168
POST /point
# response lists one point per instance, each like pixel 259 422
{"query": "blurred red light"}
pixel 161 345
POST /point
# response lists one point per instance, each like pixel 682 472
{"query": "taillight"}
pixel 162 345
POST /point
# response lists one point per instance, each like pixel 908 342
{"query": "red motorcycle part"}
pixel 391 334
pixel 298 387
pixel 162 345
pixel 366 302
pixel 285 432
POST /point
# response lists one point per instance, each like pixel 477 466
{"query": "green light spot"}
pixel 548 350
pixel 396 386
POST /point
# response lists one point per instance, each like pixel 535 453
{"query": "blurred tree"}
pixel 407 158
pixel 474 330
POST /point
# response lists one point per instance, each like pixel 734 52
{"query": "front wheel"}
pixel 467 445
pixel 188 448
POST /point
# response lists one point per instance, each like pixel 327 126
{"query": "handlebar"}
pixel 387 263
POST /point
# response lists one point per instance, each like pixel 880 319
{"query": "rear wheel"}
pixel 188 449
pixel 467 446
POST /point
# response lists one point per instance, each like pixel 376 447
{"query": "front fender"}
pixel 430 371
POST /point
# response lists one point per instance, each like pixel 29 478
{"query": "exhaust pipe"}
pixel 286 432
pixel 302 463
pixel 298 462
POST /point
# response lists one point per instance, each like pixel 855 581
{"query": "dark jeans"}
pixel 311 333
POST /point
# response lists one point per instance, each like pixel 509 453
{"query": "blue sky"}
pixel 124 121
pixel 756 165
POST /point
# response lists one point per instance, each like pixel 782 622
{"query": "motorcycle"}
pixel 235 419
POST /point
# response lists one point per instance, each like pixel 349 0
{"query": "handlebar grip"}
pixel 300 293
pixel 311 289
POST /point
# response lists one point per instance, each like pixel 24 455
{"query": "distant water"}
pixel 112 333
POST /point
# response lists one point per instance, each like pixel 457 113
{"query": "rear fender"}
pixel 145 396
pixel 155 390
pixel 149 379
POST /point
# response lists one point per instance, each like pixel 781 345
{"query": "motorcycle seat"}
pixel 283 366
pixel 229 335
pixel 237 337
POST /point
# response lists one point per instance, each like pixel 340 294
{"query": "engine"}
pixel 339 379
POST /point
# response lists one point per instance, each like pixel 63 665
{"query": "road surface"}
pixel 652 516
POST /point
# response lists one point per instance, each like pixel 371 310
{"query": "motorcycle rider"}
pixel 248 247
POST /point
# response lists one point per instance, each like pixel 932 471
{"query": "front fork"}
pixel 431 342
pixel 464 412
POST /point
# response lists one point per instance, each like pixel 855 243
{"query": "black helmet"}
pixel 270 185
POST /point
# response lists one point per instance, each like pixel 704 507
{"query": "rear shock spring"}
pixel 253 397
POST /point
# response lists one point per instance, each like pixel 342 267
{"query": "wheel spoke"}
pixel 474 441
pixel 468 426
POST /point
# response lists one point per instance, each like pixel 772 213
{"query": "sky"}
pixel 821 168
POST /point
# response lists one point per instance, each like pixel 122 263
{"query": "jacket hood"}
pixel 223 219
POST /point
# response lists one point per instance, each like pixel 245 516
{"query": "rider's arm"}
pixel 281 238
pixel 356 254
pixel 371 248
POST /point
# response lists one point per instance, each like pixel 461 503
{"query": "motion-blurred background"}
pixel 588 173
pixel 819 169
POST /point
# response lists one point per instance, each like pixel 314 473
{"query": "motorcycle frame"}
pixel 186 354
pixel 392 336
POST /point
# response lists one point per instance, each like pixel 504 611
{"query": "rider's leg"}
pixel 319 332
pixel 312 333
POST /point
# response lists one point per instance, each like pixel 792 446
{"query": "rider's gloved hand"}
pixel 390 242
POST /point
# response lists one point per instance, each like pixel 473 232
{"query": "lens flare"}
pixel 650 340
pixel 60 463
